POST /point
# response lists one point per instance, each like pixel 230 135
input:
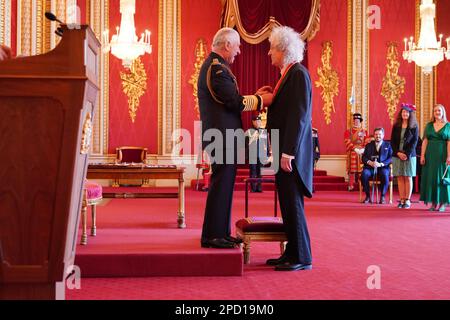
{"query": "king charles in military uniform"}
pixel 221 105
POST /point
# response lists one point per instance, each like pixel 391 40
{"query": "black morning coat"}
pixel 291 113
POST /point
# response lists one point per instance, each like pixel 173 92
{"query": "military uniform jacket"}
pixel 219 99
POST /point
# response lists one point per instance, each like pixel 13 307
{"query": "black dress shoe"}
pixel 275 262
pixel 219 243
pixel 233 239
pixel 293 266
pixel 367 200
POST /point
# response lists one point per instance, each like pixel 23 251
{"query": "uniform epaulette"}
pixel 216 62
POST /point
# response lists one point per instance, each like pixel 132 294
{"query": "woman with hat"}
pixel 434 158
pixel 405 135
pixel 355 139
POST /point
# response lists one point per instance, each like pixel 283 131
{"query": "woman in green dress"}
pixel 435 157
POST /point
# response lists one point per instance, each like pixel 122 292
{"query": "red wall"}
pixel 144 131
pixel 195 24
pixel 82 5
pixel 443 74
pixel 333 26
pixel 397 22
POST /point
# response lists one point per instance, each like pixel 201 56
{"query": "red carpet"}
pixel 411 248
pixel 322 182
pixel 139 237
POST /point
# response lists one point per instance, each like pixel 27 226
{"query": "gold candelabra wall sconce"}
pixel 200 56
pixel 134 85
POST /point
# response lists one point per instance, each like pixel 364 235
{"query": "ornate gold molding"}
pixel 328 81
pixel 160 77
pixel 359 61
pixel 134 85
pixel 97 16
pixel 231 18
pixel 88 11
pixel 43 27
pixel 200 56
pixel 2 21
pixel 34 32
pixel 169 56
pixel 5 22
pixel 393 85
pixel 86 134
pixel 40 20
pixel 349 60
pixel 24 33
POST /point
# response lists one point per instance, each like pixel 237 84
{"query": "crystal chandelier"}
pixel 125 44
pixel 429 51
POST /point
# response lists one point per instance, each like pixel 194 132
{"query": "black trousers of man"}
pixel 255 172
pixel 290 193
pixel 217 221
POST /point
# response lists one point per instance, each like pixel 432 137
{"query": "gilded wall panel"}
pixel 169 96
pixel 5 22
pixel 359 61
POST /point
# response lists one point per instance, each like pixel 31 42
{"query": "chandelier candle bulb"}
pixel 125 44
pixel 428 52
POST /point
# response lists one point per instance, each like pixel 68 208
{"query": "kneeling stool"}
pixel 260 228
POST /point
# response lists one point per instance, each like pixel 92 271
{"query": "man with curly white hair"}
pixel 291 114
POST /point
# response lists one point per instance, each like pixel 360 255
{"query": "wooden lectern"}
pixel 47 104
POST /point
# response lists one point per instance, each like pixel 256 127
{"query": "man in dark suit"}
pixel 377 155
pixel 221 105
pixel 290 114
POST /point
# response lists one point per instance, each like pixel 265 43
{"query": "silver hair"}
pixel 223 36
pixel 286 40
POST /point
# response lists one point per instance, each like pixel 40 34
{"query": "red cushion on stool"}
pixel 261 224
pixel 94 190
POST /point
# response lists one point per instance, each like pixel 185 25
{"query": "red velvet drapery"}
pixel 253 67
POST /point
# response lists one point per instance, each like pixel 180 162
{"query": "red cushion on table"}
pixel 94 190
pixel 261 224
